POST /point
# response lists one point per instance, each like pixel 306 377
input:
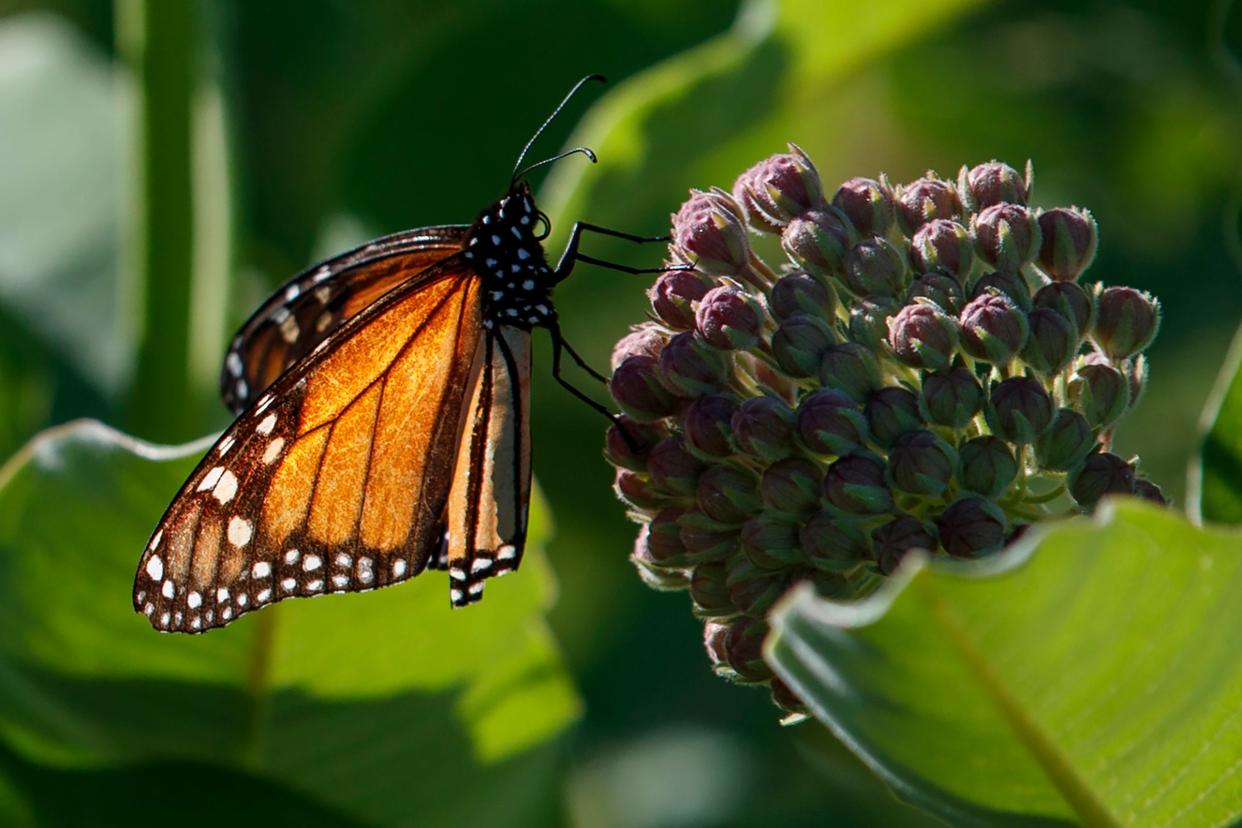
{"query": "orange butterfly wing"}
pixel 337 478
pixel 308 308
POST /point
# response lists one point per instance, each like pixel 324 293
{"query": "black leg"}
pixel 571 254
pixel 582 363
pixel 559 345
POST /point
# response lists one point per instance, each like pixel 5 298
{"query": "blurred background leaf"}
pixel 1215 484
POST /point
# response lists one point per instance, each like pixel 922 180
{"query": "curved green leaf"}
pixel 1089 675
pixel 374 705
pixel 1215 485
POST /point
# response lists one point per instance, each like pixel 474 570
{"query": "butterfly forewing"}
pixel 314 304
pixel 337 478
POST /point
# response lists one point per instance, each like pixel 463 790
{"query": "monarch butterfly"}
pixel 382 404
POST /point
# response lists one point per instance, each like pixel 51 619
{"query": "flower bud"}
pixel 629 442
pixel 646 339
pixel 728 494
pixel 637 388
pixel 1053 341
pixel 800 343
pixel 923 336
pixel 1068 242
pixel 817 241
pixel 925 200
pixel 1100 392
pixel 709 592
pixel 710 233
pixel 942 245
pixel 673 296
pixel 708 423
pixel 891 412
pixel 855 484
pixel 1102 473
pixel 1069 300
pixel 829 423
pixel 1136 377
pixel 744 645
pixel 869 323
pixel 868 204
pixel 1006 236
pixel 939 288
pixel 714 636
pixel 655 575
pixel 771 541
pixel 893 540
pixel 851 369
pixel 752 589
pixel 763 427
pixel 705 539
pixel 921 463
pixel 972 527
pixel 778 189
pixel 874 267
pixel 1126 321
pixel 1011 284
pixel 672 468
pixel 662 546
pixel 690 367
pixel 792 486
pixel 986 466
pixel 993 183
pixel 1149 491
pixel 1018 409
pixel 636 489
pixel 728 318
pixel 833 543
pixel 1066 442
pixel 951 397
pixel 786 699
pixel 798 293
pixel 993 328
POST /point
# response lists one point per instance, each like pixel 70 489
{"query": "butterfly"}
pixel 382 422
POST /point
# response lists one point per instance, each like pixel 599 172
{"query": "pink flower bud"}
pixel 868 204
pixel 925 200
pixel 1068 242
pixel 674 295
pixel 778 189
pixel 709 231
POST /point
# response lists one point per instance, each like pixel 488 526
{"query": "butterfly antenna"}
pixel 517 168
pixel 584 150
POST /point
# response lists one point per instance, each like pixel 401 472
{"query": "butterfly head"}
pixel 503 246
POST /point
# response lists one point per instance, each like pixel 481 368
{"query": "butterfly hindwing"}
pixel 337 478
pixel 308 308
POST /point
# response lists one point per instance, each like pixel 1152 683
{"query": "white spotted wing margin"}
pixel 291 501
pixel 489 504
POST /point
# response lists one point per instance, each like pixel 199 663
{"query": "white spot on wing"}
pixel 398 568
pixel 311 563
pixel 240 531
pixel 366 573
pixel 291 557
pixel 288 584
pixel 210 479
pixel 273 450
pixel 226 488
pixel 155 567
pixel 261 569
pixel 265 427
pixel 194 600
pixel 169 590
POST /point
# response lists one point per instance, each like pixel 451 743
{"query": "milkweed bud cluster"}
pixel 926 369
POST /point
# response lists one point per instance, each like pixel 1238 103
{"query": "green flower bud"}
pixel 708 423
pixel 939 288
pixel 923 336
pixel 799 293
pixel 971 527
pixel 629 442
pixel 1149 491
pixel 1010 284
pixel 771 541
pixel 673 296
pixel 674 469
pixel 1126 322
pixel 1066 443
pixel 752 589
pixel 763 427
pixel 1018 409
pixel 868 204
pixel 656 575
pixel 891 412
pixel 993 183
pixel 792 486
pixel 951 398
pixel 645 339
pixel 1068 246
pixel 1006 236
pixel 833 543
pixel 869 323
pixel 1069 300
pixel 709 592
pixel 986 466
pixel 817 241
pixel 728 318
pixel 1053 341
pixel 925 200
pixel 705 539
pixel 778 189
pixel 728 494
pixel 691 368
pixel 994 329
pixel 874 267
pixel 744 645
pixel 893 540
pixel 1100 392
pixel 709 232
pixel 856 484
pixel 829 423
pixel 921 463
pixel 637 490
pixel 942 245
pixel 851 369
pixel 800 343
pixel 637 388
pixel 662 547
pixel 1102 473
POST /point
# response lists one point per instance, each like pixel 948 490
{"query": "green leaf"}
pixel 379 705
pixel 1089 675
pixel 1215 486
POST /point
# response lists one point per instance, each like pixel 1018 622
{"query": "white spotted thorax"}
pixel 504 250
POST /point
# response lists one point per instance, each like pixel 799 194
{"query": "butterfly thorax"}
pixel 505 251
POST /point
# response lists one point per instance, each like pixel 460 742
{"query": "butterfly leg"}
pixel 559 345
pixel 573 255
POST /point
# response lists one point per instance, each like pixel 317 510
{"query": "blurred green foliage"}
pixel 312 130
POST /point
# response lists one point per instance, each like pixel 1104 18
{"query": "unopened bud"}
pixel 926 200
pixel 1100 392
pixel 851 369
pixel 1018 409
pixel 830 423
pixel 993 328
pixel 1066 442
pixel 792 486
pixel 891 412
pixel 771 541
pixel 833 543
pixel 855 484
pixel 869 323
pixel 923 336
pixel 728 494
pixel 673 468
pixel 817 242
pixel 709 232
pixel 714 636
pixel 662 545
pixel 709 592
pixel 708 423
pixel 942 245
pixel 800 343
pixel 1053 341
pixel 893 540
pixel 874 268
pixel 972 527
pixel 728 318
pixel 1006 236
pixel 1126 322
pixel 868 204
pixel 785 698
pixel 752 589
pixel 986 466
pixel 673 296
pixel 646 339
pixel 778 189
pixel 744 645
pixel 705 539
pixel 1102 473
pixel 637 388
pixel 951 398
pixel 921 463
pixel 944 290
pixel 637 489
pixel 690 367
pixel 1068 242
pixel 1011 284
pixel 1149 491
pixel 655 575
pixel 799 293
pixel 1069 300
pixel 764 428
pixel 629 442
pixel 993 183
pixel 1136 377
